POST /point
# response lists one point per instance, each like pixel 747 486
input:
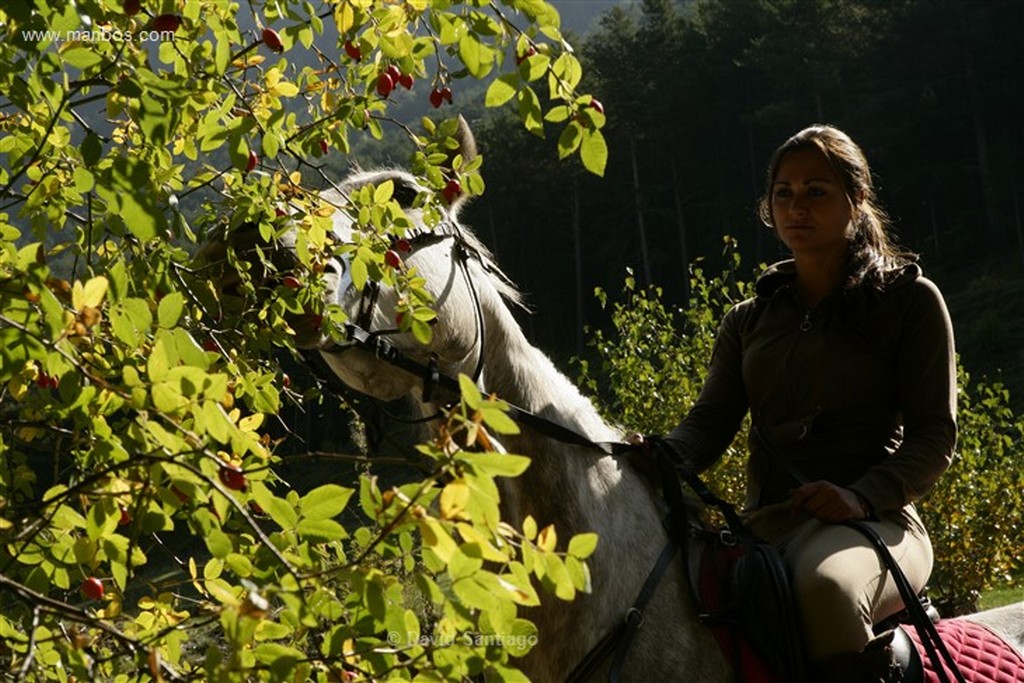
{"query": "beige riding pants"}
pixel 840 583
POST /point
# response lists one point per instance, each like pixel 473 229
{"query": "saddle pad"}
pixel 982 656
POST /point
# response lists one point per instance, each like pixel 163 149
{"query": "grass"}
pixel 998 597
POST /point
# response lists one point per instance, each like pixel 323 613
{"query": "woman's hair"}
pixel 871 251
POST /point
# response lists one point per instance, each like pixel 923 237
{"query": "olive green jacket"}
pixel 859 391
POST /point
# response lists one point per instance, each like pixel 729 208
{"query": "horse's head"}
pixel 458 275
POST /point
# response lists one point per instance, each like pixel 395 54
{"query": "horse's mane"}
pixel 406 190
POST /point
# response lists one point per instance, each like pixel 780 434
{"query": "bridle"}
pixel 358 332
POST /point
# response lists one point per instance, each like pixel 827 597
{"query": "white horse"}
pixel 574 487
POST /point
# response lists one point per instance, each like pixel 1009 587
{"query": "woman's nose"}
pixel 798 206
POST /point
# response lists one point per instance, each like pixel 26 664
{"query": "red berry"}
pixel 392 259
pixel 406 81
pixel 92 588
pixel 436 99
pixel 385 84
pixel 125 517
pixel 316 320
pixel 597 106
pixel 400 318
pixel 272 40
pixel 211 345
pixel 279 212
pixel 452 191
pixel 232 477
pixel 253 160
pixel 286 381
pixel 353 51
pixel 167 22
pixel 291 282
pixel 324 146
pixel 403 245
pixel 132 7
pixel 530 51
pixel 394 72
pixel 446 94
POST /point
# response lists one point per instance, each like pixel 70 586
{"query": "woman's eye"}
pixel 783 193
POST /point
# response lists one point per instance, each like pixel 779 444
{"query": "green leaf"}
pixel 218 543
pixel 83 179
pixel 497 420
pixel 594 152
pixel 321 529
pixel 501 90
pixel 570 139
pixel 81 57
pixel 470 394
pixel 325 501
pixel 477 57
pixel 557 576
pixel 530 111
pixel 170 309
pixel 496 464
pixel 281 511
pixel 582 546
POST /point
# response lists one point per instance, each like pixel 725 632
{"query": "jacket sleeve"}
pixel 713 421
pixel 926 385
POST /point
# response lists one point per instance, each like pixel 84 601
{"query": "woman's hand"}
pixel 827 502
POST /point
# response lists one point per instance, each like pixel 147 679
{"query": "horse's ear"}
pixel 467 145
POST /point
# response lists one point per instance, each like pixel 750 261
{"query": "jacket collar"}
pixel 780 276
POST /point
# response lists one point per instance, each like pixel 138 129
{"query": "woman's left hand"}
pixel 827 502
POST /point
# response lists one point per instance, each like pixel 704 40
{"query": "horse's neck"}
pixel 520 373
pixel 573 487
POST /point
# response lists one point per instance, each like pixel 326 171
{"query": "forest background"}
pixel 698 94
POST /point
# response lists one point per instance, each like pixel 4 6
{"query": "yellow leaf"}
pixel 487 551
pixel 89 296
pixel 437 539
pixel 250 423
pixel 454 499
pixel 547 539
pixel 285 89
pixel 345 17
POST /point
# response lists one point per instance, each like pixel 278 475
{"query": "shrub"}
pixel 135 400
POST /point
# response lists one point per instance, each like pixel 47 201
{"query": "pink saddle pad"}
pixel 982 656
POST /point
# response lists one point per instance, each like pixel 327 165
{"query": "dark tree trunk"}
pixel 645 266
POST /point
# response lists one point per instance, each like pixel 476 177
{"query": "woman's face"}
pixel 810 209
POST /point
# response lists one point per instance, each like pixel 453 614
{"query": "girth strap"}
pixel 617 642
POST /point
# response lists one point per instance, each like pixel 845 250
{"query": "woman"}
pixel 844 359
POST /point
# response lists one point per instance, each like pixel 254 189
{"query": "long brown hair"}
pixel 871 252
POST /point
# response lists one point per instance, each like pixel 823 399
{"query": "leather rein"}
pixel 616 643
